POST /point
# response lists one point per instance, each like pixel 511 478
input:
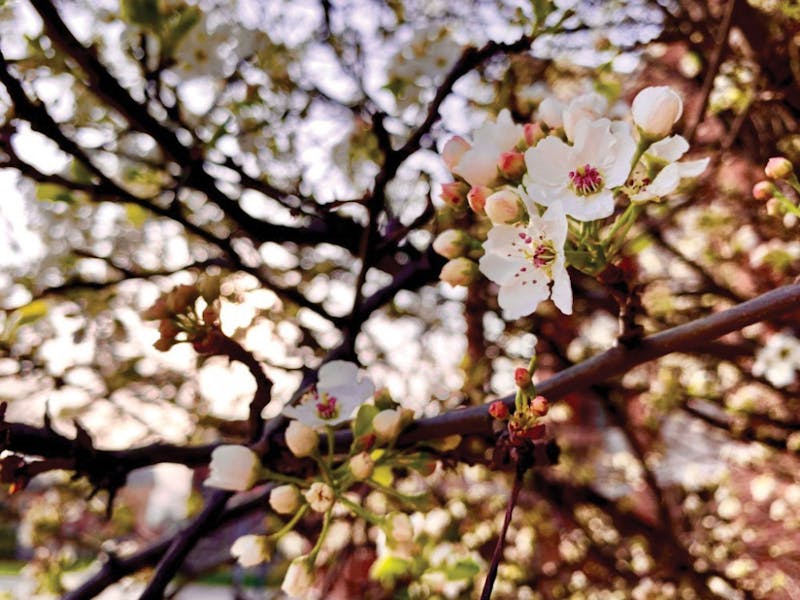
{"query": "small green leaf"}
pixel 52 192
pixel 362 424
pixel 466 568
pixel 541 8
pixel 136 215
pixel 25 315
pixel 140 12
pixel 388 568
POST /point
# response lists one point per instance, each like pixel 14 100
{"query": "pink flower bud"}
pixel 522 377
pixel 511 164
pixel 504 207
pixel 498 410
pixel 540 406
pixel 763 190
pixel 451 243
pixel 361 465
pixel 533 133
pixel 453 150
pixel 454 193
pixel 477 198
pixel 459 271
pixel 778 167
pixel 656 109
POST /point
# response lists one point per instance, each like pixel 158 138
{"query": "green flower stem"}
pixel 324 468
pixel 361 511
pixel 280 477
pixel 405 499
pixel 619 230
pixel 331 443
pixel 290 524
pixel 786 203
pixel 326 521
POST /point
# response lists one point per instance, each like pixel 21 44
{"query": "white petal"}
pixel 478 165
pixel 590 208
pixel 693 168
pixel 669 149
pixel 593 142
pixel 499 268
pixel 551 111
pixel 556 225
pixel 666 182
pixel 624 148
pixel 562 289
pixel 518 300
pixel 337 372
pixel 549 162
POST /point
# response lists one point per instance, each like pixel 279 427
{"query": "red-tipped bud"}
pixel 763 190
pixel 522 377
pixel 498 410
pixel 179 299
pixel 164 344
pixel 210 315
pixel 159 310
pixel 540 406
pixel 533 133
pixel 454 193
pixel 511 164
pixel 477 196
pixel 778 167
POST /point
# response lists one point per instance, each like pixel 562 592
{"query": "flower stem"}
pixel 290 524
pixel 280 477
pixel 326 521
pixel 486 594
pixel 360 511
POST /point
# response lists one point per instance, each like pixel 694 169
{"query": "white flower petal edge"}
pixel 669 150
pixel 528 264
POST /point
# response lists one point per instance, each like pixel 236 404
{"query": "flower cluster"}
pixel 549 189
pixel 178 317
pixel 779 360
pixel 340 395
pixel 780 191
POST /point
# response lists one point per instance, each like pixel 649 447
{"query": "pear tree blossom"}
pixel 338 393
pixel 664 156
pixel 478 165
pixel 528 263
pixel 581 177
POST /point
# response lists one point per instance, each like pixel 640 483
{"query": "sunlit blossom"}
pixel 667 152
pixel 528 264
pixel 478 165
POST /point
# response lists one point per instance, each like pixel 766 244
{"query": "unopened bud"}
pixel 210 315
pixel 320 496
pixel 498 410
pixel 361 465
pixel 454 193
pixel 522 377
pixel 778 167
pixel 164 344
pixel 453 150
pixel 284 499
pixel 773 207
pixel 459 271
pixel 387 424
pixel 301 439
pixel 179 299
pixel 763 190
pixel 656 109
pixel 511 165
pixel 533 133
pixel 476 197
pixel 789 220
pixel 168 329
pixel 159 310
pixel 540 406
pixel 504 207
pixel 451 243
pixel 208 286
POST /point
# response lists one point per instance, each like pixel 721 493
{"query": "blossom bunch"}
pixel 780 190
pixel 340 396
pixel 560 192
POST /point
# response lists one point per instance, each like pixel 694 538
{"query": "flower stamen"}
pixel 585 180
pixel 326 407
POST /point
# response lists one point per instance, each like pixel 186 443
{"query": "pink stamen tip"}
pixel 586 180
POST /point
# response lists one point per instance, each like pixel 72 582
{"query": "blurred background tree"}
pixel 290 149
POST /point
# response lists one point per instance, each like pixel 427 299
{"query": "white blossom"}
pixel 667 152
pixel 338 393
pixel 528 264
pixel 582 176
pixel 779 360
pixel 589 106
pixel 320 496
pixel 234 468
pixel 387 424
pixel 478 165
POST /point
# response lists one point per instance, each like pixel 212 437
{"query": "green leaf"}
pixel 141 12
pixel 362 424
pixel 52 192
pixel 541 8
pixel 175 28
pixel 466 568
pixel 388 568
pixel 383 475
pixel 136 215
pixel 25 315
